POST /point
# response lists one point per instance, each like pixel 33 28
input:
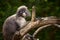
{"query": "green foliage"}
pixel 43 8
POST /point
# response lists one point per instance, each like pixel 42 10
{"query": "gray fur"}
pixel 14 23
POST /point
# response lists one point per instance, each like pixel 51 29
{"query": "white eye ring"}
pixel 24 14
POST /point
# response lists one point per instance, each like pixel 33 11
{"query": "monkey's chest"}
pixel 21 22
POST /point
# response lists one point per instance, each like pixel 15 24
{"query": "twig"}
pixel 57 25
pixel 39 29
pixel 42 27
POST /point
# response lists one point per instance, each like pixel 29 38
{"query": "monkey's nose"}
pixel 24 14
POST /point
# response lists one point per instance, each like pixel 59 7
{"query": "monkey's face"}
pixel 23 12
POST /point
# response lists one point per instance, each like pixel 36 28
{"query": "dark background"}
pixel 43 8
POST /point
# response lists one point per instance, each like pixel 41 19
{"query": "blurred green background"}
pixel 43 8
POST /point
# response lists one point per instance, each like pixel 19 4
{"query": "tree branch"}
pixel 39 29
pixel 33 14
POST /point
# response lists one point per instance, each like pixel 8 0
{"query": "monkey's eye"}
pixel 23 11
pixel 20 12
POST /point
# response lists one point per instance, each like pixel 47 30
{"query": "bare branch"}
pixel 39 29
pixel 57 25
pixel 33 13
